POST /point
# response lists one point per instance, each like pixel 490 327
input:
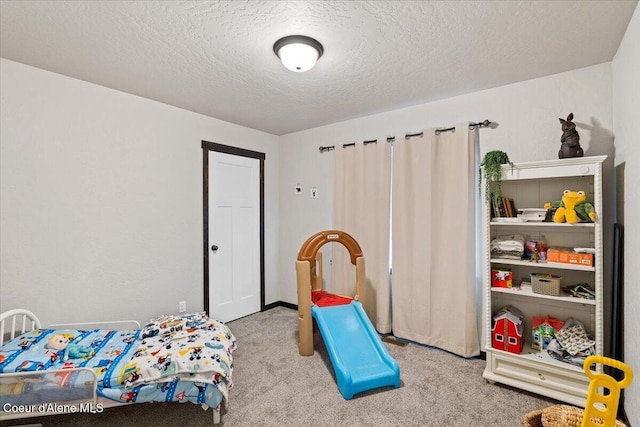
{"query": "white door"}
pixel 234 236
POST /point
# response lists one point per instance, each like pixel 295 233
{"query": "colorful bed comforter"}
pixel 173 358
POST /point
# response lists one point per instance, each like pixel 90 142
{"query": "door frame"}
pixel 227 149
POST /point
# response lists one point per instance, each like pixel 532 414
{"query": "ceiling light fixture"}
pixel 298 53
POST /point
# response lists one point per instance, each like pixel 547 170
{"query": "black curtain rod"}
pixel 438 131
pixel 351 144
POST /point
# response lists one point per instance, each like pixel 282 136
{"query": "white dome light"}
pixel 298 53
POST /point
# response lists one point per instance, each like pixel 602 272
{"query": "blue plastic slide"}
pixel 360 359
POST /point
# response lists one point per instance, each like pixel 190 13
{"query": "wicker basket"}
pixel 533 419
pixel 558 416
pixel 545 284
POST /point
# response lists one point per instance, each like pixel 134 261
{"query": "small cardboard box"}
pixel 569 256
pixel 501 278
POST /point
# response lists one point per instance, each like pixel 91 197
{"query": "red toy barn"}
pixel 508 326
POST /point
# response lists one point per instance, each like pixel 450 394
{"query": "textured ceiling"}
pixel 216 58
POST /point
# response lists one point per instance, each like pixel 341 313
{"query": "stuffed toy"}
pixel 71 351
pixel 570 140
pixel 573 208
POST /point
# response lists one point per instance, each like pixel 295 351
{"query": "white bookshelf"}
pixel 531 185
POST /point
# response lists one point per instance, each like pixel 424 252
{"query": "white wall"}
pixel 626 125
pixel 528 129
pixel 101 202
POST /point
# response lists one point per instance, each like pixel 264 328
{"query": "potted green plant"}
pixel 492 167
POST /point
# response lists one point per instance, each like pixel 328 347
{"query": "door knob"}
pixel 214 248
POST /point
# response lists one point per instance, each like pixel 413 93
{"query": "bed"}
pixel 185 358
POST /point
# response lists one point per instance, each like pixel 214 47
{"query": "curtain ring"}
pixel 411 135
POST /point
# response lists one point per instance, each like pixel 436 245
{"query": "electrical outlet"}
pixel 182 306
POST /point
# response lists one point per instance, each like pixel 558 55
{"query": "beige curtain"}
pixel 362 203
pixel 433 233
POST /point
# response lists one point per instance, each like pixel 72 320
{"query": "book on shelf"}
pixel 498 207
pixel 503 207
pixel 496 202
pixel 507 207
pixel 512 207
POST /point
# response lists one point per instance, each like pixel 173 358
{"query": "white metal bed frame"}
pixel 21 321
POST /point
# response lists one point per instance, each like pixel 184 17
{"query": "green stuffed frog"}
pixel 573 208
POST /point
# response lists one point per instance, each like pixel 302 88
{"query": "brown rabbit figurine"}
pixel 570 140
